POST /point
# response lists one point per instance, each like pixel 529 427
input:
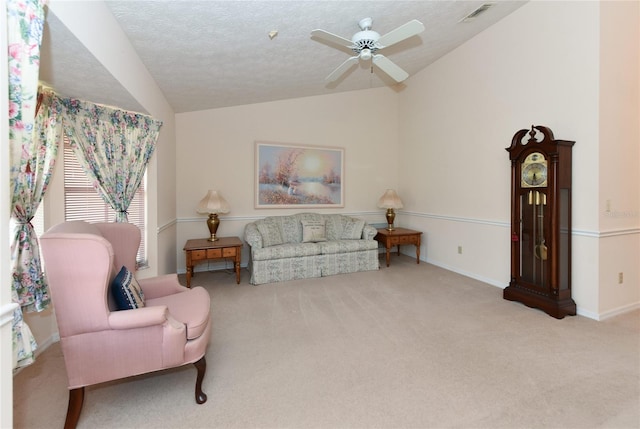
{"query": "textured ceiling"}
pixel 210 54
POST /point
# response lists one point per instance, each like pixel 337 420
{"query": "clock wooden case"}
pixel 541 222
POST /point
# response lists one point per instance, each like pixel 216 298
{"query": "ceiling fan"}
pixel 367 43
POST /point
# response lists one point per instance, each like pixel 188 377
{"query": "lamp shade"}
pixel 213 203
pixel 390 200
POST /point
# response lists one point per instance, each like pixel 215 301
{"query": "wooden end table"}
pixel 201 249
pixel 397 237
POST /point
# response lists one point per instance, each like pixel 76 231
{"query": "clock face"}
pixel 534 171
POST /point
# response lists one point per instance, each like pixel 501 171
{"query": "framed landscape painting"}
pixel 291 176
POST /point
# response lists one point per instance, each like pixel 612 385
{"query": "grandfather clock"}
pixel 541 222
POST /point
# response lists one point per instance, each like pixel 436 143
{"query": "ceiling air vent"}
pixel 473 15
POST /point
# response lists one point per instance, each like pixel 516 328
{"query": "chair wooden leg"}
pixel 201 366
pixel 76 399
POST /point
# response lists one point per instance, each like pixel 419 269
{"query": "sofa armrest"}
pixel 155 287
pixel 369 232
pixel 252 236
pixel 138 318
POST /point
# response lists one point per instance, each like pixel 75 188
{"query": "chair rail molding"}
pixel 167 225
pixel 618 232
pixel 6 313
pixel 361 214
pixel 504 224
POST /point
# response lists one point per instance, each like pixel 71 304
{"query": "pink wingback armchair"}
pixel 100 344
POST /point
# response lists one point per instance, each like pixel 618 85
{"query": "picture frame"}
pixel 298 176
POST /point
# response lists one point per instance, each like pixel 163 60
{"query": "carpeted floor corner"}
pixel 408 346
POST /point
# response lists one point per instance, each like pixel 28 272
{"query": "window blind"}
pixel 82 201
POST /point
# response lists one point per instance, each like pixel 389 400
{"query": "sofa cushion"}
pixel 270 232
pixel 291 229
pixel 333 225
pixel 313 231
pixel 346 246
pixel 126 291
pixel 283 251
pixel 352 229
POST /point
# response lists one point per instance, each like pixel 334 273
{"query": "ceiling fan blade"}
pixel 390 68
pixel 405 31
pixel 332 38
pixel 341 69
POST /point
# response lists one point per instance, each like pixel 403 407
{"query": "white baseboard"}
pixel 213 266
pixel 492 282
pixel 580 311
pixel 618 311
pixel 44 345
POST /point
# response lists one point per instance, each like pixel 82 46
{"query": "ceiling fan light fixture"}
pixel 368 35
pixel 367 44
pixel 366 39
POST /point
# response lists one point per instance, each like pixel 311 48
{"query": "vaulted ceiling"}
pixel 211 54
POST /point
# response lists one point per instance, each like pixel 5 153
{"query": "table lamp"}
pixel 390 200
pixel 213 203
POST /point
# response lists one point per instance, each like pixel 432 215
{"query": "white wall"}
pixel 111 47
pixel 619 179
pixel 216 151
pixel 540 65
pixel 6 306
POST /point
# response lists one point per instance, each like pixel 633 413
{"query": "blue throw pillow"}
pixel 126 291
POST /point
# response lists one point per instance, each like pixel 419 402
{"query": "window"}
pixel 38 220
pixel 82 201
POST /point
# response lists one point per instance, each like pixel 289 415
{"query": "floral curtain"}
pixel 31 163
pixel 114 147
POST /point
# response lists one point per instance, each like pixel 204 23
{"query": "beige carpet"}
pixel 409 346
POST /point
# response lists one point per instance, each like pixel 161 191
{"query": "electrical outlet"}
pixel 620 278
pixel 460 250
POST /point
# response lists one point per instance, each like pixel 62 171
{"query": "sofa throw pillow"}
pixel 352 229
pixel 313 231
pixel 126 291
pixel 333 226
pixel 271 235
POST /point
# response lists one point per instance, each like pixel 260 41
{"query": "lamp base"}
pixel 391 216
pixel 212 223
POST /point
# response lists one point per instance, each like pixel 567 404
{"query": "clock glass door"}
pixel 533 244
pixel 564 245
